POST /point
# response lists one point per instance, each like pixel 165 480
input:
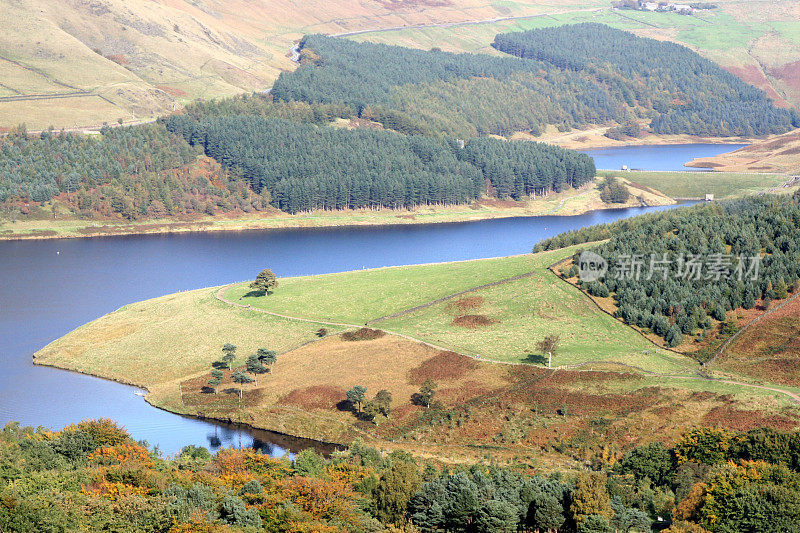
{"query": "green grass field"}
pixel 520 312
pixel 526 310
pixel 160 340
pixel 711 32
pixel 167 345
pixel 360 296
pixel 170 337
pixel 698 184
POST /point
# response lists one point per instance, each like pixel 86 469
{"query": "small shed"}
pixel 709 197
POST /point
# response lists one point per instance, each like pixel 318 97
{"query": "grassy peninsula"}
pixel 471 328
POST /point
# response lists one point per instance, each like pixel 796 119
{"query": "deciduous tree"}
pixel 427 391
pixel 549 346
pixel 396 486
pixel 590 497
pixel 383 399
pixel 266 281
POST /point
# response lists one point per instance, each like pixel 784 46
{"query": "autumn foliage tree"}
pixel 591 497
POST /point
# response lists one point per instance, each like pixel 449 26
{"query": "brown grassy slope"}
pixel 192 327
pixel 144 55
pixel 776 154
pixel 769 350
pixel 518 408
pixel 513 408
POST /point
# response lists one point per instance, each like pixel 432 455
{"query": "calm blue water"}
pixel 51 287
pixel 657 157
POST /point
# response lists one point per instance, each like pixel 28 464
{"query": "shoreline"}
pixel 305 423
pixel 592 137
pixel 483 209
pixel 329 219
pixel 148 399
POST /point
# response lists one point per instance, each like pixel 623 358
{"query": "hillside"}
pixel 689 93
pixel 778 154
pixel 691 278
pixel 152 56
pixel 80 62
pixel 757 41
pixel 550 76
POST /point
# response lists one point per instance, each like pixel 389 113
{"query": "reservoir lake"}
pixel 50 287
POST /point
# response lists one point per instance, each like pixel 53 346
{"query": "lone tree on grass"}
pixel 357 396
pixel 265 282
pixel 241 378
pixel 216 379
pixel 426 392
pixel 255 367
pixel 267 358
pixel 549 346
pixel 229 354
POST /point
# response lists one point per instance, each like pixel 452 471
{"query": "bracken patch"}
pixel 442 366
pixel 465 304
pixel 462 393
pixel 474 321
pixel 363 334
pixel 744 420
pixel 314 397
pixel 586 376
pixel 172 91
